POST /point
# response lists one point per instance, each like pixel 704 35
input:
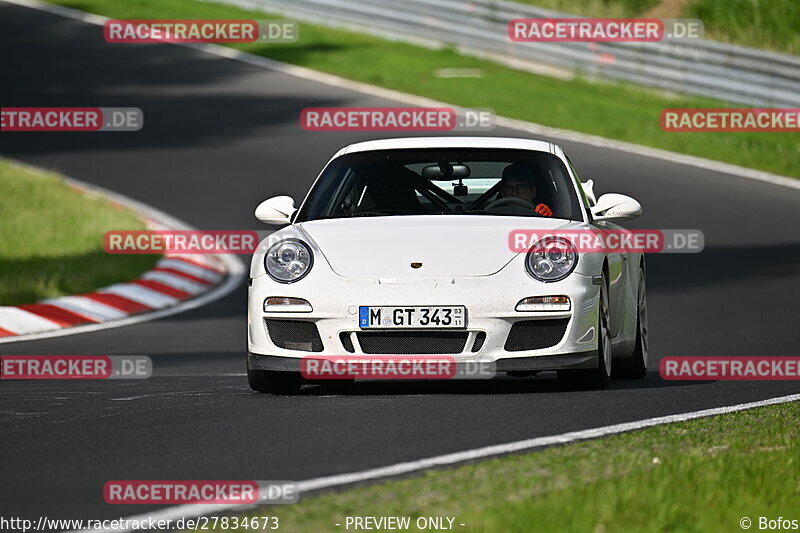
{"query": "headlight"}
pixel 288 261
pixel 551 259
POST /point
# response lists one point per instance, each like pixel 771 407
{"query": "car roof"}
pixel 449 142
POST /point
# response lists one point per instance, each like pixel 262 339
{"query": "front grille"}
pixel 412 342
pixel 535 334
pixel 297 335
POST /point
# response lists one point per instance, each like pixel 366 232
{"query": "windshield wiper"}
pixel 382 213
pixel 343 215
pixel 464 212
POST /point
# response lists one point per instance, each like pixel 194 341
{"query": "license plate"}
pixel 439 316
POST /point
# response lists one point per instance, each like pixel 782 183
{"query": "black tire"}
pixel 600 377
pixel 282 383
pixel 637 366
pixel 257 380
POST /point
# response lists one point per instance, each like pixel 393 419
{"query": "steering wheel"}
pixel 510 201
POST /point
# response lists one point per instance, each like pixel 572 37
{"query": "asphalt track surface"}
pixel 219 137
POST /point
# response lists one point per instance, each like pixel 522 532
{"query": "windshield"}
pixel 443 182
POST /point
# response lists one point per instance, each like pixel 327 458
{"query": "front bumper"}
pixel 490 302
pixel 572 361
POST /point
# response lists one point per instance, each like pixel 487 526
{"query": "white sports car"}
pixel 402 247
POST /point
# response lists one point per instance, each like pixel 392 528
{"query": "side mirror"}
pixel 612 206
pixel 276 211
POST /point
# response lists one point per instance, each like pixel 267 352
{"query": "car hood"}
pixel 446 245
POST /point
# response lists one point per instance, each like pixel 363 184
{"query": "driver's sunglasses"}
pixel 519 189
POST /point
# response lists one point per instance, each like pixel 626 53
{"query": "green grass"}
pixel 609 110
pixel 767 24
pixel 51 238
pixel 702 475
pixel 773 24
pixel 596 8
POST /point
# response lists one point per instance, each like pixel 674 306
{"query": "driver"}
pixel 519 182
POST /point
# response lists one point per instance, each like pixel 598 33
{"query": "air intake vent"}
pixel 294 335
pixel 480 338
pixel 347 342
pixel 535 334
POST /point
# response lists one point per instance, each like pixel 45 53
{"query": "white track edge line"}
pixel 234 266
pixel 196 510
pixel 517 124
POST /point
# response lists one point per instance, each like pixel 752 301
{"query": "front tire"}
pixel 637 367
pixel 600 377
pixel 282 383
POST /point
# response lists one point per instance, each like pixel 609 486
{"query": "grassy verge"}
pixel 771 25
pixel 51 238
pixel 610 110
pixel 703 475
pixel 596 8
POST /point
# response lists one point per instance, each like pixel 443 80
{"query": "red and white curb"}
pixel 177 283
